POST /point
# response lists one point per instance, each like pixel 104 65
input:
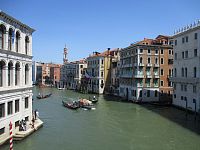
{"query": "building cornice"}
pixel 7 52
pixel 15 90
pixel 8 19
pixel 185 32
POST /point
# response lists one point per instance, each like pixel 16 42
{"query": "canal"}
pixel 114 125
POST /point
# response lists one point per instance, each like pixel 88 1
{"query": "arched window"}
pixel 141 60
pixel 26 74
pixel 17 73
pixel 2 73
pixel 10 39
pixel 10 73
pixel 26 45
pixel 17 41
pixel 2 36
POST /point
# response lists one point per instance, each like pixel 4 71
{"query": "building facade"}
pixel 186 77
pixel 15 74
pixel 55 74
pixel 99 71
pixel 145 70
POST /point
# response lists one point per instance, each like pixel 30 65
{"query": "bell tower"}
pixel 65 52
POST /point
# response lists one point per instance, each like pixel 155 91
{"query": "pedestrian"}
pixel 37 114
pixel 33 123
pixel 24 124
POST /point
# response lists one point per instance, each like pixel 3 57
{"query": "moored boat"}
pixel 44 96
pixel 71 105
pixel 93 100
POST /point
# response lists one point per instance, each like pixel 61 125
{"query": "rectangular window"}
pixel 141 50
pixel 149 51
pixel 161 51
pixel 181 87
pixel 195 36
pixel 10 108
pixel 175 56
pixel 186 54
pixel 175 42
pixel 195 52
pixel 186 39
pixel 194 89
pixel 2 110
pixel 2 130
pixel 102 61
pixel 26 102
pixel 183 40
pixel 183 55
pixel 16 105
pixel 185 88
pixel 156 51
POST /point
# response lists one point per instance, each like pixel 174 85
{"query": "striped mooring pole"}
pixel 11 139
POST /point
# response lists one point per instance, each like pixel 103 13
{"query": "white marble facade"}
pixel 15 74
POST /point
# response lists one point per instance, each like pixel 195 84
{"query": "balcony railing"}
pixel 138 75
pixel 149 76
pixel 149 65
pixel 156 65
pixel 141 64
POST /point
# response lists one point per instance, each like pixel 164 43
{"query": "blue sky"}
pixel 94 25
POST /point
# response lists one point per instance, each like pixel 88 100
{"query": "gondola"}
pixel 70 105
pixel 88 107
pixel 93 100
pixel 43 97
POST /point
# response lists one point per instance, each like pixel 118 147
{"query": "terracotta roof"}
pixel 105 53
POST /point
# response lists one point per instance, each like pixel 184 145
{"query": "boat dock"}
pixel 20 135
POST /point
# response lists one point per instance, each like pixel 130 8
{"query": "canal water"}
pixel 114 125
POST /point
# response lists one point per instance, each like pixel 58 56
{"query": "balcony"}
pixel 149 76
pixel 141 64
pixel 149 65
pixel 156 76
pixel 156 65
pixel 138 76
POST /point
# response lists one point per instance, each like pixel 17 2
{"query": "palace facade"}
pixel 15 74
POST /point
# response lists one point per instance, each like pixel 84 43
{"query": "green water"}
pixel 114 125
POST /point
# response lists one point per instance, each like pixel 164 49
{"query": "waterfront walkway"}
pixel 20 135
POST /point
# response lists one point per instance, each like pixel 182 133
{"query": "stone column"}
pixel 5 43
pixel 5 76
pixel 12 77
